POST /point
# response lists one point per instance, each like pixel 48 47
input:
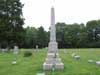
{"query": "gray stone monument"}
pixel 4 50
pixel 37 48
pixel 53 62
pixel 15 52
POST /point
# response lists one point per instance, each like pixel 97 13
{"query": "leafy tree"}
pixel 42 37
pixel 72 34
pixel 30 37
pixel 60 32
pixel 11 21
pixel 93 29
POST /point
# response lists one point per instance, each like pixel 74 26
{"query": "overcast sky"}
pixel 37 12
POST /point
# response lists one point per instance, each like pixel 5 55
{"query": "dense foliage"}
pixel 35 37
pixel 68 35
pixel 11 22
pixel 79 35
pixel 27 54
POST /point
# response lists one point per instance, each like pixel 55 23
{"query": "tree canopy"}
pixel 11 21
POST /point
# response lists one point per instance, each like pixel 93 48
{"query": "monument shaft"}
pixel 53 46
pixel 53 61
pixel 53 28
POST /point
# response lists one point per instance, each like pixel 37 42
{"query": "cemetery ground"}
pixel 33 64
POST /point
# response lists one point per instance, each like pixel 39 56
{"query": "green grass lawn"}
pixel 32 65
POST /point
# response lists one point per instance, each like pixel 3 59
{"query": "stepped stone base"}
pixel 47 66
pixel 51 63
pixel 59 66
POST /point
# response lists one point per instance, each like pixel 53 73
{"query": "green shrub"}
pixel 27 54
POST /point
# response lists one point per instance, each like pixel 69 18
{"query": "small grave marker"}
pixel 98 63
pixel 37 48
pixel 40 74
pixel 77 56
pixel 14 62
pixel 90 61
pixel 16 50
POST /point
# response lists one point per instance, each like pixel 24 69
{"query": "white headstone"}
pixel 77 56
pixel 90 61
pixel 98 63
pixel 16 50
pixel 40 74
pixel 14 62
pixel 37 48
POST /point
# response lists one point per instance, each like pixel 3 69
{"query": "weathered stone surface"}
pixel 49 60
pixel 53 47
pixel 16 50
pixel 59 66
pixel 52 61
pixel 47 66
pixel 50 55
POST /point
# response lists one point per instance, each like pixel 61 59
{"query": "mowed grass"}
pixel 33 64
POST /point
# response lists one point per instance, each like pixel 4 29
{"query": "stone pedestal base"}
pixel 52 55
pixel 47 66
pixel 59 66
pixel 51 63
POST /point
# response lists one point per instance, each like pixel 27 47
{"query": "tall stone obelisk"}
pixel 53 46
pixel 53 62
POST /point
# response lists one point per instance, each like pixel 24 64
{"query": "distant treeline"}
pixel 68 36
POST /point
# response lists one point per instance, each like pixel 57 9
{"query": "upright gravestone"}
pixel 53 62
pixel 15 52
pixel 37 48
pixel 4 50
